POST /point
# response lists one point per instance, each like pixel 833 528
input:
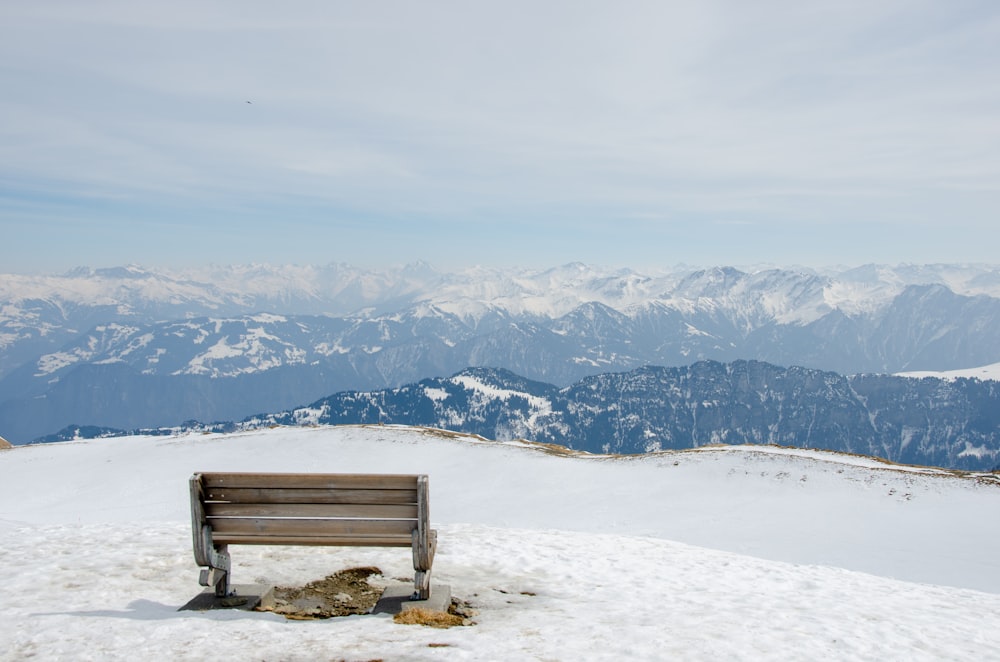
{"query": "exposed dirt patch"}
pixel 459 613
pixel 341 594
pixel 429 617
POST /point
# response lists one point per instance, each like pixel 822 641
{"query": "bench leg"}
pixel 423 558
pixel 219 572
pixel 216 557
pixel 219 579
pixel 421 585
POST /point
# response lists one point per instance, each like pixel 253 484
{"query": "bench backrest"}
pixel 311 509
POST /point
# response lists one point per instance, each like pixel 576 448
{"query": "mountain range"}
pixel 949 423
pixel 132 347
pixel 935 422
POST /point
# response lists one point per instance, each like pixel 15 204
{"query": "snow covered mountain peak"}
pixel 786 294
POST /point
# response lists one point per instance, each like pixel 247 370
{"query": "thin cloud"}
pixel 555 115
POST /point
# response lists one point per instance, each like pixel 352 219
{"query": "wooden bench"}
pixel 366 510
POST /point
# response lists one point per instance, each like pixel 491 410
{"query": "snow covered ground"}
pixel 721 553
pixel 985 372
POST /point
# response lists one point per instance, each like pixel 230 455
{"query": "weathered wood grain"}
pixel 316 541
pixel 309 495
pixel 323 481
pixel 316 510
pixel 315 527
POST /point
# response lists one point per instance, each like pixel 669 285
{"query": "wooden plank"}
pixel 423 506
pixel 317 541
pixel 357 511
pixel 324 481
pixel 277 495
pixel 201 553
pixel 259 526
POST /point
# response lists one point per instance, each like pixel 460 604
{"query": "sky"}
pixel 498 133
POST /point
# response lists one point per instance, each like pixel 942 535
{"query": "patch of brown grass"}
pixel 429 617
pixel 341 594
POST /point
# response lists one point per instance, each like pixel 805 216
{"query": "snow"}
pixel 261 349
pixel 720 553
pixel 991 372
pixel 539 406
pixel 436 394
pixel 221 350
pixel 268 318
pixel 49 363
pixel 476 292
pixel 473 384
pixel 104 335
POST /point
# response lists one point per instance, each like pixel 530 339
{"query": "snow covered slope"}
pixel 720 553
pixel 927 422
pixel 991 372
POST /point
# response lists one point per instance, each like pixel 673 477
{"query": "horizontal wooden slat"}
pixel 280 495
pixel 404 511
pixel 326 481
pixel 338 541
pixel 310 527
pixel 378 510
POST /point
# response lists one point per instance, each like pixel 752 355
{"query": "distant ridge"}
pixel 953 424
pixel 948 423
